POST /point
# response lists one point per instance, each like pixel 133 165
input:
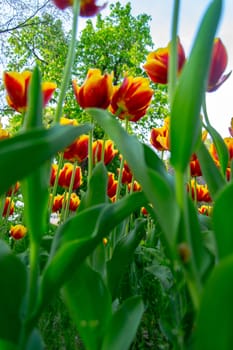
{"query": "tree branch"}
pixel 25 23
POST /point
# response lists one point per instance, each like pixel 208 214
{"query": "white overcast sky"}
pixel 220 102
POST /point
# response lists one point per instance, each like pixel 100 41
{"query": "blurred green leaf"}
pixel 5 345
pixel 123 326
pixel 188 97
pixel 222 221
pixel 122 256
pixel 89 303
pixel 96 191
pixel 155 183
pixel 211 173
pixel 215 318
pixel 33 116
pixel 195 235
pixel 12 292
pixel 23 153
pixel 78 237
pixel 35 186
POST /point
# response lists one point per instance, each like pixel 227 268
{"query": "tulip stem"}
pixel 69 62
pixel 172 64
pixel 90 153
pixel 54 190
pixel 190 269
pixel 67 200
pixel 204 108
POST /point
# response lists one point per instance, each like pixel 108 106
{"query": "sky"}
pixel 220 102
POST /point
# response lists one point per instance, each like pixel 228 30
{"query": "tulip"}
pixel 157 62
pixel 126 174
pixel 66 174
pixel 194 165
pixel 68 121
pixel 131 99
pixel 17 90
pixel 4 134
pixel 74 202
pixel 112 185
pixel 231 128
pixel 7 209
pixel 202 192
pixel 109 151
pixel 135 187
pixel 57 203
pixel 205 210
pixel 78 150
pixel 229 143
pixel 13 189
pixel 18 231
pixel 217 66
pixel 96 91
pixel 159 137
pixel 53 174
pixel 88 8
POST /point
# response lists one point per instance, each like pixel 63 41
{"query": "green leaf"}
pixel 222 221
pixel 96 191
pixel 35 186
pixel 155 183
pixel 12 292
pixel 35 196
pixel 33 117
pixel 23 153
pixel 212 175
pixel 5 345
pixel 196 237
pixel 122 256
pixel 188 97
pixel 215 318
pixel 89 303
pixel 78 237
pixel 123 326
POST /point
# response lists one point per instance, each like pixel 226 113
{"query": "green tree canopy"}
pixel 118 43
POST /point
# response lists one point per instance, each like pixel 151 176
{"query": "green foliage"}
pixel 13 288
pixel 118 43
pixel 185 112
pixel 182 260
pixel 37 146
pixel 27 47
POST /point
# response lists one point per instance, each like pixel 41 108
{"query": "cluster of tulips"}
pixel 87 185
pixel 128 101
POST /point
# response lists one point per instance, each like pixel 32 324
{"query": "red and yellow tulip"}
pixel 217 66
pixel 18 231
pixel 96 91
pixel 160 137
pixel 132 98
pixel 78 150
pixel 112 185
pixel 66 174
pixel 156 65
pixel 17 90
pixel 8 207
pixel 88 8
pixel 109 151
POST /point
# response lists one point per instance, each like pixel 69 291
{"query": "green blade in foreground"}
pixel 188 97
pixel 23 153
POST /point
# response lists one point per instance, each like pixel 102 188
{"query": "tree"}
pixel 118 43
